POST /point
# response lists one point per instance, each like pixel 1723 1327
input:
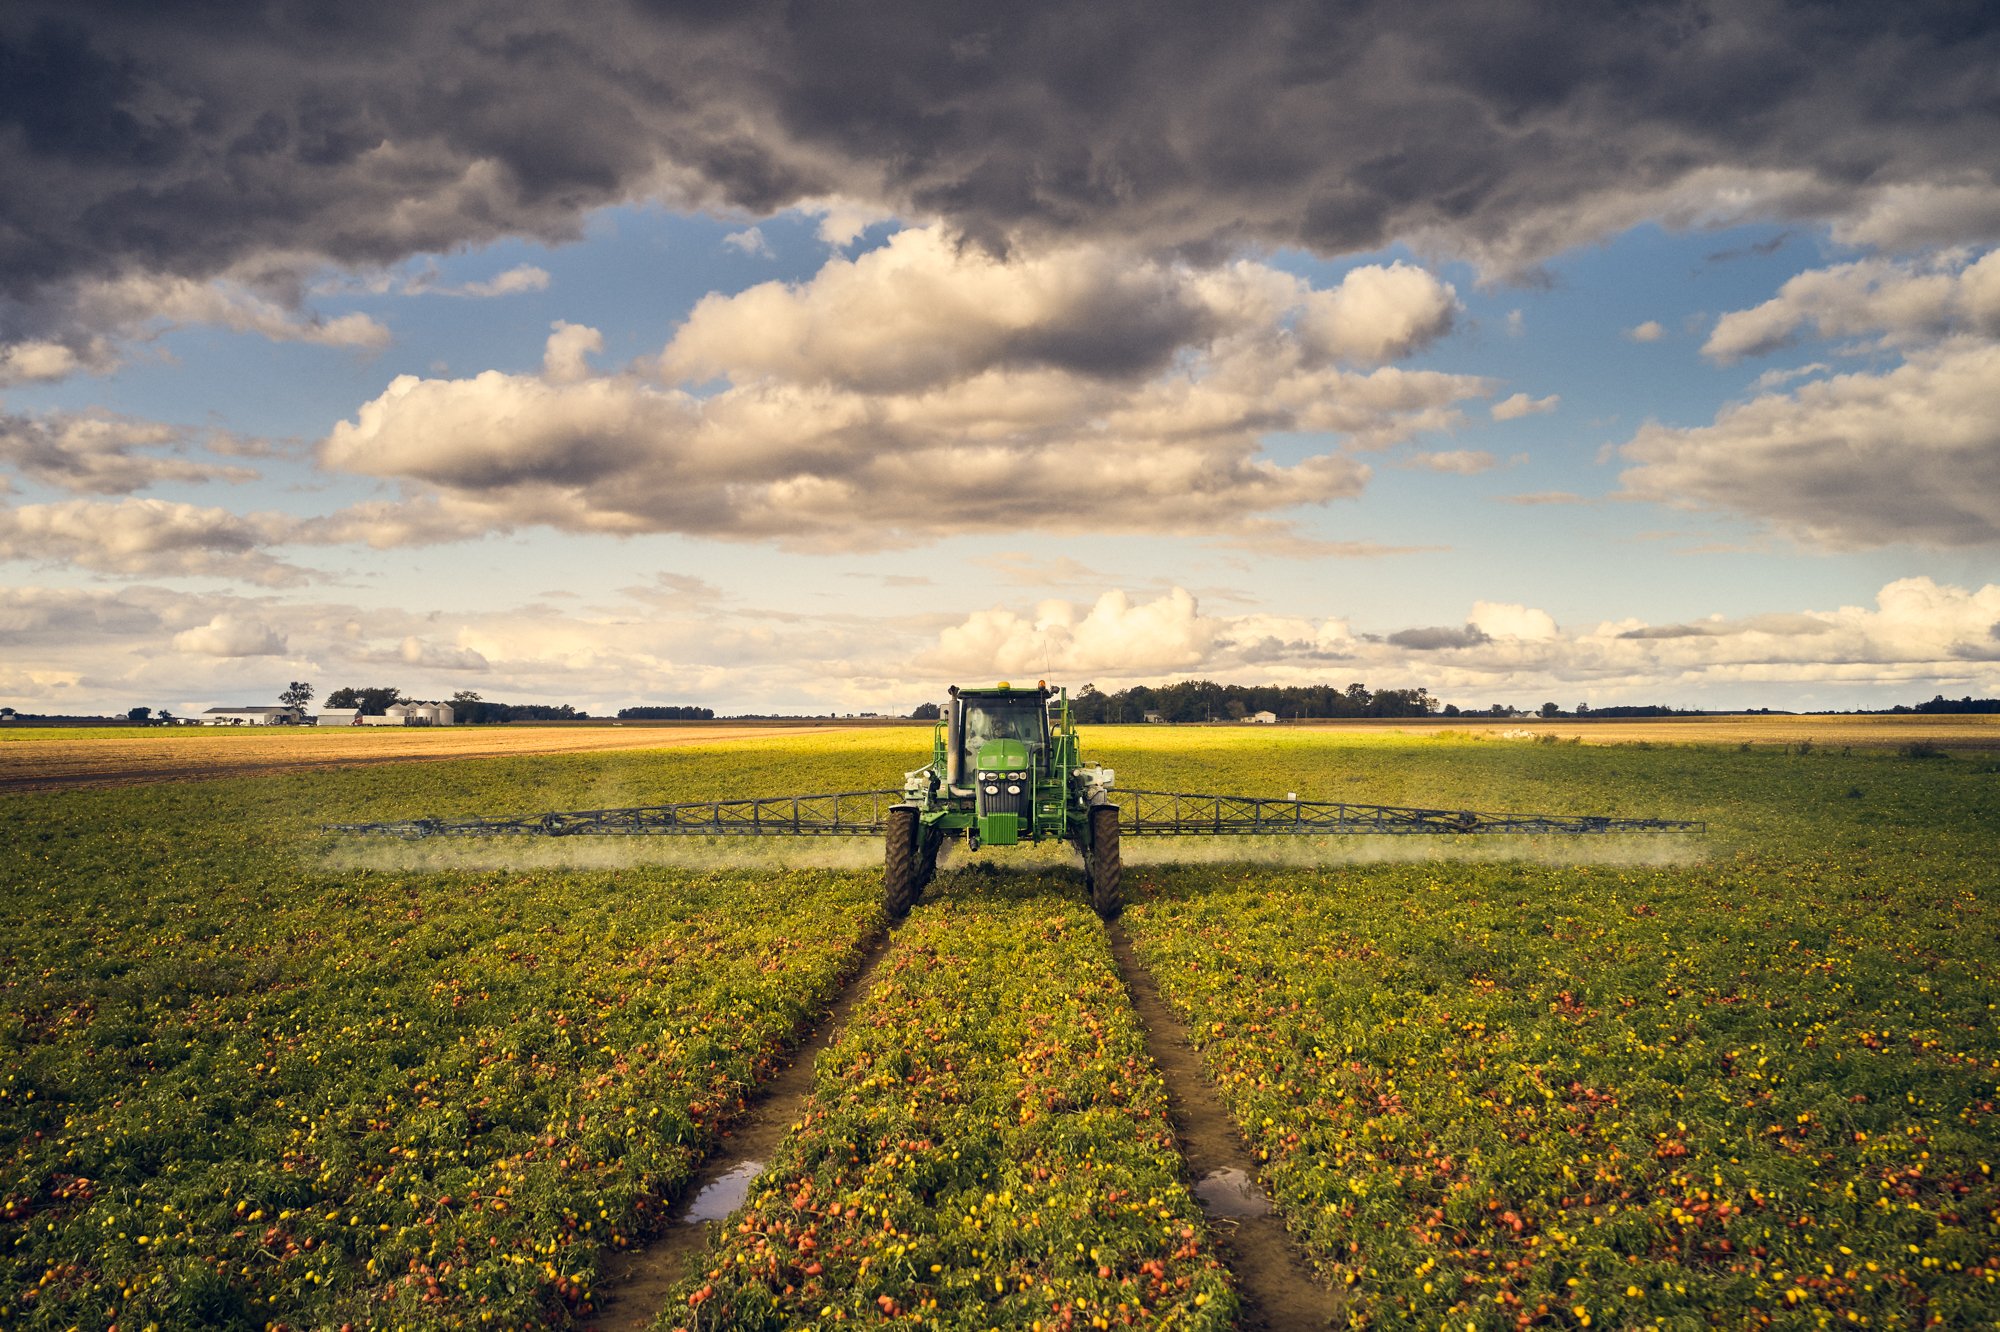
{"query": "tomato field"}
pixel 251 1076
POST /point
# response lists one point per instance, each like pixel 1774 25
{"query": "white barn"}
pixel 1262 719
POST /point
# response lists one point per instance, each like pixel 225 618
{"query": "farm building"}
pixel 340 716
pixel 1262 719
pixel 413 714
pixel 253 716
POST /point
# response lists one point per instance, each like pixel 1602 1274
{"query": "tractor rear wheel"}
pixel 900 885
pixel 1104 870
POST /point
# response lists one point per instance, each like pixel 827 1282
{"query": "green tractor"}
pixel 1005 769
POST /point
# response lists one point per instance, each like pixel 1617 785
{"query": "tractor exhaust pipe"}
pixel 954 740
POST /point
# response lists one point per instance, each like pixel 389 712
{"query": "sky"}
pixel 780 358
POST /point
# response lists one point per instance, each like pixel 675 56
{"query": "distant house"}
pixel 1262 719
pixel 413 714
pixel 253 716
pixel 339 717
pixel 1154 717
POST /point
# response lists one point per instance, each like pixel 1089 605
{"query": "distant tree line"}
pixel 1942 704
pixel 1634 710
pixel 669 712
pixel 1205 700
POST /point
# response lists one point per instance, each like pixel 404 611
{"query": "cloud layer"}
pixel 927 388
pixel 193 143
pixel 78 648
pixel 1918 632
pixel 1868 458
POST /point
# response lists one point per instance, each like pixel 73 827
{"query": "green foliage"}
pixel 1688 1079
pixel 986 1145
pixel 240 1088
pixel 373 700
pixel 1757 1089
pixel 1205 700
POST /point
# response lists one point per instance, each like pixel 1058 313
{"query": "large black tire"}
pixel 899 863
pixel 1104 871
pixel 927 859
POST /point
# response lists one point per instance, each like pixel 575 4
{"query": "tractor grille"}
pixel 1003 795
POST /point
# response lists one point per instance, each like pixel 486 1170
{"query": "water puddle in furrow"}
pixel 636 1282
pixel 1278 1289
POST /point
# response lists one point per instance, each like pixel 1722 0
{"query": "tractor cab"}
pixel 1002 730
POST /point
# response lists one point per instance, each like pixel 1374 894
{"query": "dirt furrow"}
pixel 1279 1292
pixel 636 1282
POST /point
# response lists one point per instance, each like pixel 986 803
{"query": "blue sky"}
pixel 1746 460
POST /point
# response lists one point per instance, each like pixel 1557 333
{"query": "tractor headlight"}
pixel 1013 790
pixel 992 790
pixel 1017 776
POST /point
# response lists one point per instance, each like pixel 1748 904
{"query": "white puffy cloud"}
pixel 1518 405
pixel 38 362
pixel 98 453
pixel 1649 331
pixel 749 241
pixel 1379 314
pixel 415 651
pixel 143 303
pixel 1916 214
pixel 520 278
pixel 565 357
pixel 230 636
pixel 85 325
pixel 924 389
pixel 145 536
pixel 924 310
pixel 1905 301
pixel 1918 636
pixel 497 430
pixel 1501 619
pixel 842 220
pixel 1852 461
pixel 1165 636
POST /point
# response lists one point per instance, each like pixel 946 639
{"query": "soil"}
pixel 1278 1289
pixel 637 1282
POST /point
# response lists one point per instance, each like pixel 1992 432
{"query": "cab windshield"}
pixel 995 720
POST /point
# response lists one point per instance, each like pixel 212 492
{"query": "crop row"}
pixel 986 1145
pixel 238 1097
pixel 1501 1096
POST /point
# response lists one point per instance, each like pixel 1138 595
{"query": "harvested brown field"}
pixel 40 759
pixel 1948 731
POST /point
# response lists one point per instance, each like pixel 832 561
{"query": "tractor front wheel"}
pixel 932 842
pixel 1104 870
pixel 900 867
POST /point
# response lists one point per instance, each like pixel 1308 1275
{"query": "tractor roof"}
pixel 1040 687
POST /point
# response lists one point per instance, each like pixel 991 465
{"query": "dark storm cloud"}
pixel 196 138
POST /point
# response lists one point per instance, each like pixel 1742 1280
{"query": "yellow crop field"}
pixel 35 758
